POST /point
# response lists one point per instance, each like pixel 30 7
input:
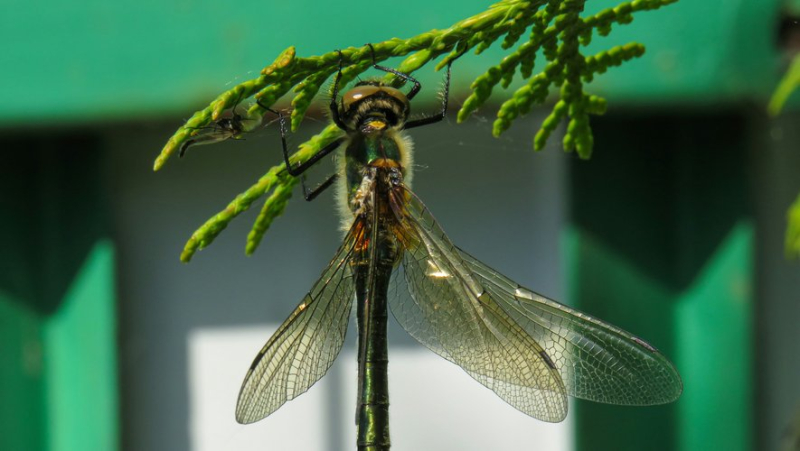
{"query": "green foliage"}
pixel 793 230
pixel 556 33
pixel 788 85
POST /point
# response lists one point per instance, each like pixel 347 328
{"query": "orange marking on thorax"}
pixel 384 163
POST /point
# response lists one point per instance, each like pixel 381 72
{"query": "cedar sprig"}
pixel 556 32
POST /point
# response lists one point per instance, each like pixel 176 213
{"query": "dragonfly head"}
pixel 372 106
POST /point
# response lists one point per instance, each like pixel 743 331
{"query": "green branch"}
pixel 557 32
pixel 787 86
pixel 793 230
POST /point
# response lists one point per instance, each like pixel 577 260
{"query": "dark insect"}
pixel 530 350
pixel 230 127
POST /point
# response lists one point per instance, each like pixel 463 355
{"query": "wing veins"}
pixel 503 320
pixel 613 348
pixel 270 383
pixel 523 381
pixel 294 346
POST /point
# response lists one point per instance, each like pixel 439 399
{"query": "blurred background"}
pixel 673 230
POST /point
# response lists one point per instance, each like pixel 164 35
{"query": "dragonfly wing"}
pixel 206 135
pixel 304 347
pixel 597 361
pixel 449 312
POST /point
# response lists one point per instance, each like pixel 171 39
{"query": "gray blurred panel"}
pixel 777 316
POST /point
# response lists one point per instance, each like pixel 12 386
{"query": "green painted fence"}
pixel 681 282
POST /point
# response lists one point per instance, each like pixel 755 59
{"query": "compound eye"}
pixel 397 95
pixel 358 93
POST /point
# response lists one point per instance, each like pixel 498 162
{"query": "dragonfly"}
pixel 532 351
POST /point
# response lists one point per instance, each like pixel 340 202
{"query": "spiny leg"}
pixel 312 194
pixel 300 170
pixel 334 106
pixel 295 171
pixel 406 77
pixel 417 86
pixel 437 117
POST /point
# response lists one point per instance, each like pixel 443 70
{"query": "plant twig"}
pixel 793 230
pixel 787 86
pixel 557 32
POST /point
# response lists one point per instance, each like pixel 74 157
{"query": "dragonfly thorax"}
pixel 376 180
pixel 381 158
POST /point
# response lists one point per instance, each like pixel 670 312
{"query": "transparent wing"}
pixel 207 135
pixel 597 361
pixel 232 126
pixel 304 347
pixel 450 313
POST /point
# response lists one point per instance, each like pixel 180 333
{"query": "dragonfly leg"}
pixel 445 97
pixel 303 167
pixel 310 195
pixel 235 105
pixel 404 76
pixel 427 120
pixel 334 106
pixel 300 170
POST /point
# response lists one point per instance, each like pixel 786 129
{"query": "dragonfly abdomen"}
pixel 377 254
